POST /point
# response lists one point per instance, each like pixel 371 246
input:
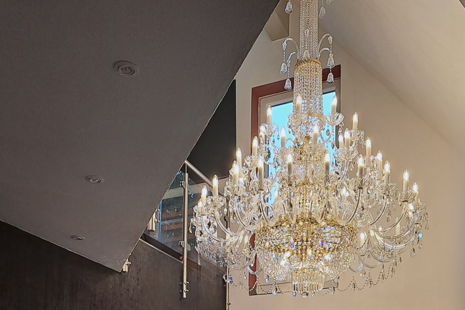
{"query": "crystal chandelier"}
pixel 315 217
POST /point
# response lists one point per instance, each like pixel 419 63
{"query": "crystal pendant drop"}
pixel 289 8
pixel 331 61
pixel 288 85
pixel 330 78
pixel 275 290
pixel 363 273
pixel 283 68
pixel 322 12
pixel 306 55
pixel 412 253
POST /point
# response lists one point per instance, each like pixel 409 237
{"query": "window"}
pixel 281 105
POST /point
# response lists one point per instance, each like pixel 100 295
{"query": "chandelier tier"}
pixel 316 216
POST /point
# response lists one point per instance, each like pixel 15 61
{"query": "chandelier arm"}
pixel 245 265
pixel 395 222
pixel 392 247
pixel 255 273
pixel 262 211
pixel 295 45
pixel 356 208
pixel 380 214
pixel 360 266
pixel 239 217
pixel 366 264
pixel 322 38
pixel 220 224
pixel 290 56
pixel 207 231
pixel 323 50
pixel 409 230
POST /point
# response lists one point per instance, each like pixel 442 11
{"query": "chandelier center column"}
pixel 308 29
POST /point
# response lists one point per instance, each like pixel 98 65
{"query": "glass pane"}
pixel 327 101
pixel 195 191
pixel 169 216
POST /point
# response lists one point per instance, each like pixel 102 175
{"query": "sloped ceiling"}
pixel 416 48
pixel 65 113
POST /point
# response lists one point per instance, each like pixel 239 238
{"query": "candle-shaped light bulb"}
pixel 316 133
pixel 235 173
pixel 327 160
pixel 200 208
pixel 355 122
pixel 283 137
pixel 344 192
pixel 298 104
pixel 215 186
pixel 334 105
pixel 362 239
pixel 415 190
pixel 387 172
pixel 406 180
pixel 261 169
pixel 262 135
pixel 289 164
pixel 341 141
pixel 269 112
pixel 254 146
pixel 239 161
pixel 361 166
pixel 203 197
pixel 380 162
pixel 368 148
pixel 347 138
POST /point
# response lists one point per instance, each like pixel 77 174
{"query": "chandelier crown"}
pixel 316 216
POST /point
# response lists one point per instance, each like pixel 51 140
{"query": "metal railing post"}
pixel 185 227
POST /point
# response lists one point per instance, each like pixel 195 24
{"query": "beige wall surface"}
pixel 434 279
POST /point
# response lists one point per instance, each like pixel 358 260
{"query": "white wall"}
pixel 434 278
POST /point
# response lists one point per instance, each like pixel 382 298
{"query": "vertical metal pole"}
pixel 185 227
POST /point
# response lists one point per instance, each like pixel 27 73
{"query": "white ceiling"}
pixel 66 114
pixel 416 48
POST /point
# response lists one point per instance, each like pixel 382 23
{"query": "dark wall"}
pixel 215 150
pixel 38 275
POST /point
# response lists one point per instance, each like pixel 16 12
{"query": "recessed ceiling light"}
pixel 94 179
pixel 126 68
pixel 77 238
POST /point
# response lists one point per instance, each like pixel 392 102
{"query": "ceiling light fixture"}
pixel 93 179
pixel 77 238
pixel 315 217
pixel 126 68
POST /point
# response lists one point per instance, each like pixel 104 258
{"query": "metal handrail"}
pixel 201 175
